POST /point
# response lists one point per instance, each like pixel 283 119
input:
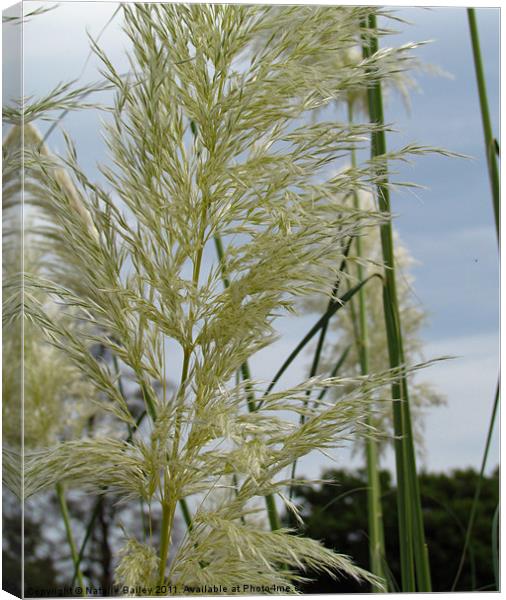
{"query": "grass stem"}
pixel 317 354
pixel 168 505
pixel 70 537
pixel 490 151
pixel 490 147
pixel 477 492
pixel 375 514
pixel 87 536
pixel 414 556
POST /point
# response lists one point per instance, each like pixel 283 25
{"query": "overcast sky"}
pixel 448 227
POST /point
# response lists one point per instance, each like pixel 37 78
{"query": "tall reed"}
pixel 374 510
pixel 414 555
pixel 493 174
pixel 70 537
pixel 490 143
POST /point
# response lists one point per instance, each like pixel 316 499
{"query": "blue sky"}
pixel 448 227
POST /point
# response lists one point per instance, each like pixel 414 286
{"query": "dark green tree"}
pixel 336 513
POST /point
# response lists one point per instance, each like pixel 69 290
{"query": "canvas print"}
pixel 250 299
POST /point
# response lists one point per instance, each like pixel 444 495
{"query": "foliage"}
pixel 336 513
pixel 209 135
pixel 216 134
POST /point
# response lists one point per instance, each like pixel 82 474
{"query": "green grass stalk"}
pixel 477 492
pixel 166 528
pixel 87 535
pixel 490 147
pixel 70 537
pixel 493 172
pixel 375 514
pixel 414 556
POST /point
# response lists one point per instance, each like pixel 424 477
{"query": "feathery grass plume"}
pixel 40 10
pixel 12 332
pixel 208 135
pixel 401 81
pixel 341 51
pixel 57 400
pixel 64 96
pixel 138 565
pixel 423 395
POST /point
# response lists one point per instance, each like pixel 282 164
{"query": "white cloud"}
pixel 455 434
